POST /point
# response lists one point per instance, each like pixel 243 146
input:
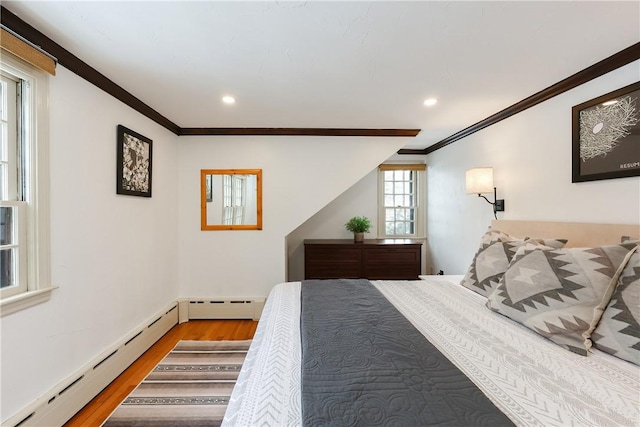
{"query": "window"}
pixel 24 213
pixel 233 200
pixel 399 201
pixel 13 279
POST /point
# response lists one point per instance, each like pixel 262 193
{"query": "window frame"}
pixel 418 184
pixel 35 130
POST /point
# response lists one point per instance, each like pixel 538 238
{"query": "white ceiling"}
pixel 335 64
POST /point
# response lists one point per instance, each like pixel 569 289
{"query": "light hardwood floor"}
pixel 96 411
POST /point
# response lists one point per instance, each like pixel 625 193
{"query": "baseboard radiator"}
pixel 228 308
pixel 62 402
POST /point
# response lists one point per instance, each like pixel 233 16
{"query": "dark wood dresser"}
pixel 388 259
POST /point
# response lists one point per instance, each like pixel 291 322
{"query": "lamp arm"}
pixel 494 204
pixel 488 201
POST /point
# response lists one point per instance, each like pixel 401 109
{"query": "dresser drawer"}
pixel 332 262
pixel 392 263
pixel 391 255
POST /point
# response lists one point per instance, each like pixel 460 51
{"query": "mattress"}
pixel 530 379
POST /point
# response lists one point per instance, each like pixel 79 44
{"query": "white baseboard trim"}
pixel 63 401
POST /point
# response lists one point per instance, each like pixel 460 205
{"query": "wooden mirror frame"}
pixel 203 199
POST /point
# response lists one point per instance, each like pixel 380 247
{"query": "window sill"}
pixel 25 300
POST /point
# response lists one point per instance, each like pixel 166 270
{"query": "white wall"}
pixel 531 157
pixel 300 176
pixel 113 257
pixel 361 199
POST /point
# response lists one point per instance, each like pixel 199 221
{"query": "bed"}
pixel 529 378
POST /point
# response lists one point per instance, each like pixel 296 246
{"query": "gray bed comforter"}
pixel 365 364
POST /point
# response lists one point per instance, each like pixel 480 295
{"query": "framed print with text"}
pixel 606 136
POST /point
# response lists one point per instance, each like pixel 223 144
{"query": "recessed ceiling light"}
pixel 430 102
pixel 228 99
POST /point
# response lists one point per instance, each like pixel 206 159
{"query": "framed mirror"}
pixel 231 199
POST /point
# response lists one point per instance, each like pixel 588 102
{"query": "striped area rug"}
pixel 191 386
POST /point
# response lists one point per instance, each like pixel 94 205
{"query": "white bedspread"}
pixel 532 380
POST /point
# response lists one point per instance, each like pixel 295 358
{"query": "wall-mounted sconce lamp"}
pixel 480 180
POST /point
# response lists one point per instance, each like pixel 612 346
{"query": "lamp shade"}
pixel 479 180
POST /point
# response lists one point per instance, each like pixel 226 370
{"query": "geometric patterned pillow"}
pixel 481 273
pixel 618 332
pixel 492 235
pixel 555 292
pixel 493 257
pixel 530 244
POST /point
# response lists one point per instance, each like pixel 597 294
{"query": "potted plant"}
pixel 358 225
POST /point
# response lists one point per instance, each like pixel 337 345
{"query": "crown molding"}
pixel 81 68
pixel 301 132
pixel 615 61
pixel 84 70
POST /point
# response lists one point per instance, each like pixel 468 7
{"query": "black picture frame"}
pixel 134 160
pixel 606 136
